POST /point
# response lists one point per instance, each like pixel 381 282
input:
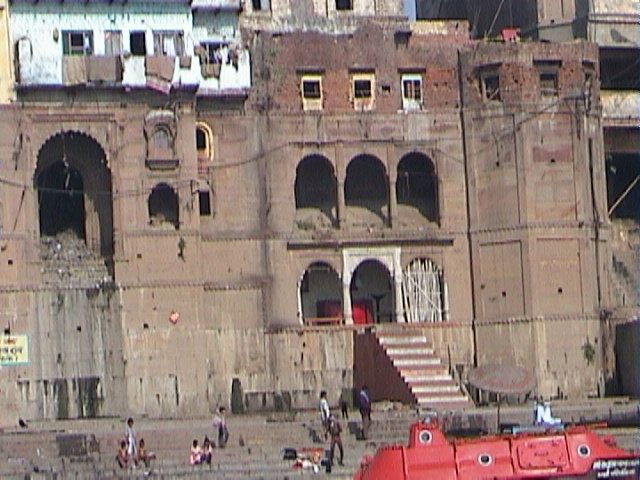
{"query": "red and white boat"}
pixel 573 453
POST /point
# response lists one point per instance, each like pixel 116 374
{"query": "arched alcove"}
pixel 320 294
pixel 315 188
pixel 366 188
pixel 417 186
pixel 372 293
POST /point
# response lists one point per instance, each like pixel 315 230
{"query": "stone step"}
pixel 437 388
pixel 414 360
pixel 402 339
pixel 409 349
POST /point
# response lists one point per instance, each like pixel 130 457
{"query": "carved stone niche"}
pixel 160 131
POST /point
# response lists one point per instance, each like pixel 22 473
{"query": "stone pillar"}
pixel 397 282
pixel 392 211
pixel 341 204
pixel 346 299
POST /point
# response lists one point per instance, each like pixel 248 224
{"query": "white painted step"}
pixel 415 362
pixel 425 378
pixel 391 351
pixel 434 389
pixel 441 399
pixel 396 339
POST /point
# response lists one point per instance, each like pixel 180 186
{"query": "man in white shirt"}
pixel 325 412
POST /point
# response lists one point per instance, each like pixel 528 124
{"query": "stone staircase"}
pixel 423 372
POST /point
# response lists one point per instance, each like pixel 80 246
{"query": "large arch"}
pixel 73 183
pixel 372 293
pixel 320 295
pixel 163 205
pixel 417 185
pixel 424 292
pixel 315 187
pixel 366 187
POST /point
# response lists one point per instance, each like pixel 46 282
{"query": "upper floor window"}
pixel 344 4
pixel 261 5
pixel 169 43
pixel 490 85
pixel 548 77
pixel 113 42
pixel 137 43
pixel 212 52
pixel 77 42
pixel 311 88
pixel 412 91
pixel 363 90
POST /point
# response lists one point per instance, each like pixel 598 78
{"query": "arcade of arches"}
pixel 370 195
pixel 73 184
pixel 377 289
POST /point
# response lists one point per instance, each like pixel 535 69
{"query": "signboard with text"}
pixel 14 350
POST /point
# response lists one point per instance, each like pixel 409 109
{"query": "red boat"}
pixel 572 453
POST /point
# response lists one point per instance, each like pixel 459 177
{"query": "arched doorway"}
pixel 163 206
pixel 73 184
pixel 315 189
pixel 417 186
pixel 424 292
pixel 366 190
pixel 372 293
pixel 320 295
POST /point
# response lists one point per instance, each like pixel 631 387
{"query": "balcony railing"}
pixel 620 107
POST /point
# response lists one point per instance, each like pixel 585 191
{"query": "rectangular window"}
pixel 491 86
pixel 137 43
pixel 261 5
pixel 204 200
pixel 363 90
pixel 169 43
pixel 77 43
pixel 548 77
pixel 412 91
pixel 311 88
pixel 212 52
pixel 112 42
pixel 344 4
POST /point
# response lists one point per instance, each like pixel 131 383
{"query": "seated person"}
pixel 195 458
pixel 543 415
pixel 143 455
pixel 122 458
pixel 207 451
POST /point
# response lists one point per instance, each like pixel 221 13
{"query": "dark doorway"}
pixel 320 294
pixel 416 185
pixel 366 187
pixel 623 180
pixel 61 200
pixel 74 190
pixel 315 186
pixel 163 206
pixel 372 293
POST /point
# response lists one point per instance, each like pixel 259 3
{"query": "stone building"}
pixel 204 206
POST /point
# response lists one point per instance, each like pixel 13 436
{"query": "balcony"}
pixel 614 23
pixel 157 72
pixel 620 108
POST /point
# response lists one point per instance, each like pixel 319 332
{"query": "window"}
pixel 548 76
pixel 162 138
pixel 137 43
pixel 490 83
pixel 204 200
pixel 344 5
pixel 170 43
pixel 311 87
pixel 112 42
pixel 362 90
pixel 412 91
pixel 211 52
pixel 77 43
pixel 260 5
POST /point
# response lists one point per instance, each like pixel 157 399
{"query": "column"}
pixel 397 281
pixel 341 204
pixel 346 300
pixel 393 201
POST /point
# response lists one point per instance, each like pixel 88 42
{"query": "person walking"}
pixel 364 405
pixel 335 429
pixel 325 413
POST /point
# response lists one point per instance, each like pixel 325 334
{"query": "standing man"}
pixel 220 423
pixel 364 405
pixel 325 412
pixel 335 429
pixel 132 442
